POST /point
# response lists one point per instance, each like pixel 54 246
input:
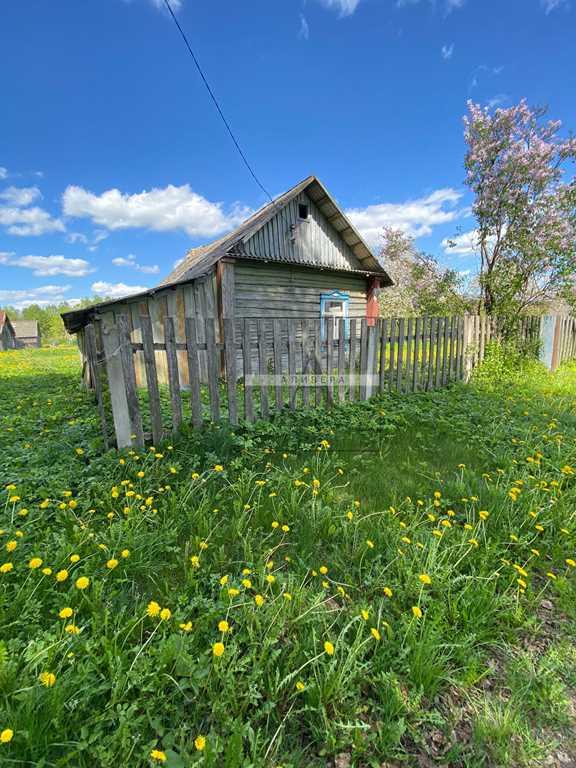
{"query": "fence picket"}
pixel 152 379
pixel 318 363
pixel 173 373
pixel 291 364
pixel 247 362
pixel 363 357
pixel 352 360
pixel 277 344
pixel 193 370
pixel 212 359
pixel 408 377
pixel 91 354
pixel 416 367
pixel 263 368
pixel 341 359
pixel 383 330
pixel 400 360
pixel 305 363
pixel 393 328
pixel 329 360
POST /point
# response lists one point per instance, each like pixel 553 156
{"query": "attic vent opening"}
pixel 302 211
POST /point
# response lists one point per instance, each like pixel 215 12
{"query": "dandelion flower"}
pixel 153 609
pixel 158 755
pixel 6 567
pixel 369 544
pixel 365 614
pixel 125 553
pixel 323 570
pixel 417 612
pixel 11 546
pixel 83 582
pixel 112 563
pixel 62 575
pixel 300 686
pixel 165 614
pixel 195 560
pixel 65 613
pixel 425 579
pixel 35 563
pixel 218 649
pixel 233 592
pixel 387 591
pixel 6 736
pixel 200 743
pixel 223 581
pixel 259 600
pixel 570 562
pixel 218 468
pixel 74 558
pixel 287 596
pixel 375 634
pixel 48 679
pixel 246 583
pixel 72 629
pixel 329 648
pixel 223 626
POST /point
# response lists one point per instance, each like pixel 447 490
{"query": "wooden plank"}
pixel 416 365
pixel 263 368
pixel 95 368
pixel 318 363
pixel 305 362
pixel 229 338
pixel 432 349
pixel 341 359
pixel 383 330
pixel 440 351
pixel 445 349
pixel 193 370
pixel 277 342
pixel 329 359
pixel 363 357
pixel 173 373
pixel 371 349
pixel 152 379
pixel 212 368
pixel 127 360
pixel 247 358
pixel 116 388
pixel 291 331
pixel 400 358
pixel 393 332
pixel 409 362
pixel 424 354
pixel 352 360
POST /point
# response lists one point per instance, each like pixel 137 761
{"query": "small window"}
pixel 302 211
pixel 333 306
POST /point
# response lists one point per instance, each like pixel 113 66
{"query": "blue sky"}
pixel 113 161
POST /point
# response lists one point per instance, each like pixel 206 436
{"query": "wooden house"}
pixel 297 257
pixel 27 333
pixel 7 333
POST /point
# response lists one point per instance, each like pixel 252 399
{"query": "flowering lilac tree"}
pixel 525 209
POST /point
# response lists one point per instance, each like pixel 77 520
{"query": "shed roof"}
pixel 199 261
pixel 26 329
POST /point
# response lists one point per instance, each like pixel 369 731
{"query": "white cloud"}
pixel 495 101
pixel 130 261
pixel 415 217
pixel 46 294
pixel 115 290
pixel 552 5
pixel 463 244
pixel 449 5
pixel 453 5
pixel 76 237
pixel 28 221
pixel 170 208
pixel 3 172
pixel 304 31
pixel 20 196
pixel 47 266
pixel 447 51
pixel 464 272
pixel 344 7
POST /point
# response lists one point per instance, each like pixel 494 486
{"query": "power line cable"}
pixel 216 104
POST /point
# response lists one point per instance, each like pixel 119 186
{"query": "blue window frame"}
pixel 335 304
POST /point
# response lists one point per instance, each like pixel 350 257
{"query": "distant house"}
pixel 27 333
pixel 7 333
pixel 297 257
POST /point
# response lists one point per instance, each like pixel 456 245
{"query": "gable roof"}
pixel 199 260
pixel 25 329
pixel 5 320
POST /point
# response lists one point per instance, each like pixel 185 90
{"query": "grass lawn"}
pixel 382 584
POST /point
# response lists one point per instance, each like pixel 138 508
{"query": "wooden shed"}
pixel 27 333
pixel 7 333
pixel 297 257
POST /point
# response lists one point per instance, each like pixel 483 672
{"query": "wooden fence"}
pixel 256 367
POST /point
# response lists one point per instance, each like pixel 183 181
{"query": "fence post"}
pixel 547 338
pixel 118 399
pixel 94 373
pixel 467 345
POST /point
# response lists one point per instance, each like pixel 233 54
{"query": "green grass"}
pixel 336 514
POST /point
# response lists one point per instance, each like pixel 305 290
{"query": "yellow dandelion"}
pixel 65 613
pixel 417 612
pixel 223 626
pixel 375 634
pixel 83 582
pixel 153 609
pixel 48 679
pixel 218 649
pixel 329 648
pixel 35 563
pixel 200 743
pixel 6 736
pixel 425 579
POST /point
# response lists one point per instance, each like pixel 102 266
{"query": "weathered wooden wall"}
pixel 287 238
